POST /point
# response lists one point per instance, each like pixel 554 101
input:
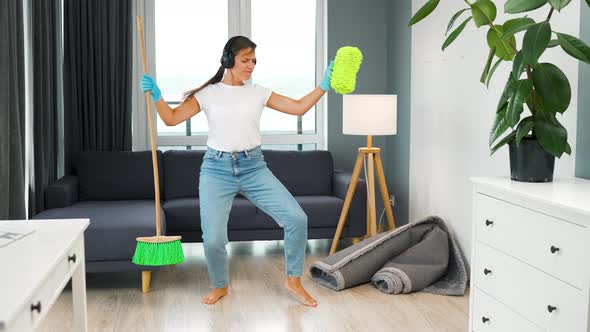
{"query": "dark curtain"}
pixel 45 24
pixel 97 76
pixel 12 111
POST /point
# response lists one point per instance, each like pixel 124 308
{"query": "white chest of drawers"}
pixel 530 256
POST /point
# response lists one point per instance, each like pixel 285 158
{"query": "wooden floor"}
pixel 257 300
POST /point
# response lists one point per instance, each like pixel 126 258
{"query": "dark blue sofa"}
pixel 116 191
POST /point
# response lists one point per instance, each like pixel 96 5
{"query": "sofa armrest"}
pixel 356 219
pixel 62 193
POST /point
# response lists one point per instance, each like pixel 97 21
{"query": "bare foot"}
pixel 215 295
pixel 294 286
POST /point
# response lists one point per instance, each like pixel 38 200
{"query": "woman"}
pixel 234 162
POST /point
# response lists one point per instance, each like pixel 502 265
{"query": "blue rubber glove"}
pixel 148 83
pixel 326 82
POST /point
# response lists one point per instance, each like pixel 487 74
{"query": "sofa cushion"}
pixel 321 211
pixel 183 214
pixel 114 225
pixel 302 172
pixel 181 169
pixel 292 168
pixel 116 175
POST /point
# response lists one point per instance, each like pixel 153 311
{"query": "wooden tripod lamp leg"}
pixel 384 192
pixel 349 194
pixel 368 220
pixel 371 194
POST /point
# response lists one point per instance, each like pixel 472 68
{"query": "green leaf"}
pixel 559 4
pixel 499 127
pixel 568 148
pixel 492 71
pixel 483 12
pixel 554 42
pixel 518 65
pixel 503 142
pixel 552 86
pixel 508 91
pixel 535 42
pixel 454 18
pixel 424 11
pixel 522 92
pixel 492 37
pixel 519 6
pixel 514 26
pixel 513 23
pixel 550 133
pixel 574 47
pixel 535 103
pixel 505 49
pixel 486 69
pixel 588 3
pixel 455 33
pixel 524 127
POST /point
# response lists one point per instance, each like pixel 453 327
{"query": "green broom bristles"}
pixel 157 254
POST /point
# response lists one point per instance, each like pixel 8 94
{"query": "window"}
pixel 287 57
pixel 190 35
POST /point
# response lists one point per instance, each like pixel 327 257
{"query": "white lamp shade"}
pixel 369 114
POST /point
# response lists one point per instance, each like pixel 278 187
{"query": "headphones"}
pixel 228 57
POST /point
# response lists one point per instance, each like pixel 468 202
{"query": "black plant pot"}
pixel 529 162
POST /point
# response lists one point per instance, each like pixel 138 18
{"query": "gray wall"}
pixel 378 28
pixel 583 139
pixel 397 148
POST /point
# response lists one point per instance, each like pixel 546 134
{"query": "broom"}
pixel 155 250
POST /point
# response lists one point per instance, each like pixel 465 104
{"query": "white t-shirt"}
pixel 233 114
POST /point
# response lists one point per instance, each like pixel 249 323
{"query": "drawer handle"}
pixel 72 258
pixel 486 271
pixel 551 308
pixel 36 307
pixel 489 222
pixel 554 249
pixel 485 319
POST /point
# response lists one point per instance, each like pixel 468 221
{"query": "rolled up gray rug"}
pixel 417 267
pixel 398 262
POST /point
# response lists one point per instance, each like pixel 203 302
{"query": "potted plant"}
pixel 536 137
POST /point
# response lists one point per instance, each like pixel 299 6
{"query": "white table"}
pixel 37 259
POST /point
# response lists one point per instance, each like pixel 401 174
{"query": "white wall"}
pixel 452 113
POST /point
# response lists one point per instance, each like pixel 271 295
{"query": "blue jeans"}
pixel 222 176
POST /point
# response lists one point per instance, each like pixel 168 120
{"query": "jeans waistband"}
pixel 233 154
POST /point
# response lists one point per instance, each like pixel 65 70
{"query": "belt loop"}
pixel 219 153
pixel 246 153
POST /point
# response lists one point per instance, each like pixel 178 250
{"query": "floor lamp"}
pixel 368 115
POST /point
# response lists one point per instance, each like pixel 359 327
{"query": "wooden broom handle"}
pixel 148 98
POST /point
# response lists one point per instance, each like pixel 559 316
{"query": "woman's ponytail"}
pixel 215 79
